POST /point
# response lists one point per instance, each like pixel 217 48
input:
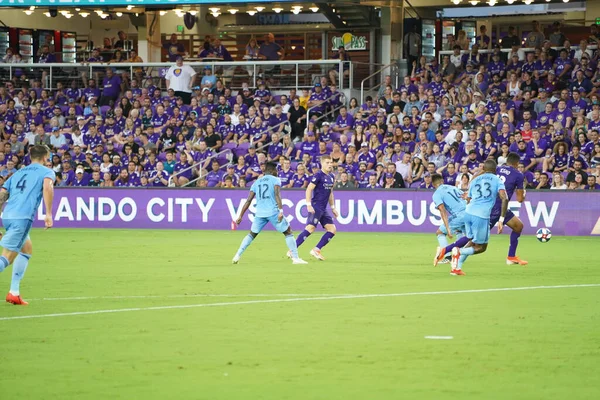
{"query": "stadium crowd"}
pixel 113 129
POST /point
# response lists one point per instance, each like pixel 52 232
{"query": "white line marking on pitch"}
pixel 295 299
pixel 439 337
pixel 182 296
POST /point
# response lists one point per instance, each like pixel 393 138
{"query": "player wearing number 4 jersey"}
pixel 319 193
pixel 269 208
pixel 483 192
pixel 448 200
pixel 24 191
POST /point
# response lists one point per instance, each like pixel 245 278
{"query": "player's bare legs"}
pixel 20 260
pixel 516 225
pixel 459 255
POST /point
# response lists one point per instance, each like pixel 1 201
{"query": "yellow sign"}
pixel 350 42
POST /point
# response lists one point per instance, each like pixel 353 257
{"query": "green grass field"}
pixel 193 326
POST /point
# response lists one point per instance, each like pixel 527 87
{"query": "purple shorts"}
pixel 495 218
pixel 319 217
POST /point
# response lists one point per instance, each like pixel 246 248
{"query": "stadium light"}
pixel 32 8
pixel 314 9
pixel 259 9
pixel 129 8
pixel 474 2
pixel 528 2
pixel 162 13
pixel 277 10
pixel 119 14
pixel 28 12
pixel 214 9
pixel 252 12
pixel 47 14
pixel 456 2
pixel 84 14
pixel 233 11
pixel 492 3
pixel 297 9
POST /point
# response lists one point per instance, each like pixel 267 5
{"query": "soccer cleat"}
pixel 289 254
pixel 440 253
pixel 455 257
pixel 456 272
pixel 298 261
pixel 236 259
pixel 316 253
pixel 16 300
pixel 445 261
pixel 515 260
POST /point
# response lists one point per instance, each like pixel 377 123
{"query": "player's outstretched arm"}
pixel 3 197
pixel 332 204
pixel 504 197
pixel 48 193
pixel 279 202
pixel 309 191
pixel 444 216
pixel 245 207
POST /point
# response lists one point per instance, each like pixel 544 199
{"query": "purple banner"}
pixel 565 213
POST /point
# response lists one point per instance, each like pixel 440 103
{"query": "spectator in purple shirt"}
pixel 215 176
pixel 591 183
pixel 182 171
pixel 112 87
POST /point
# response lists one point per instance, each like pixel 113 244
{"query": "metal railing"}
pixel 333 96
pixel 525 50
pixel 362 83
pixel 196 165
pixel 291 74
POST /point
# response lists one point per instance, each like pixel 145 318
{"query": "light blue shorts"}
pixel 17 233
pixel 260 222
pixel 457 226
pixel 477 229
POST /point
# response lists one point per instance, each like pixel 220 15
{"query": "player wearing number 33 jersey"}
pixel 24 191
pixel 482 195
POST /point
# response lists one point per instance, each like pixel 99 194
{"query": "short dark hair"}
pixel 490 166
pixel 513 159
pixel 436 178
pixel 271 168
pixel 39 152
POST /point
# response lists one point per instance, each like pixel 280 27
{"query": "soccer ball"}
pixel 544 235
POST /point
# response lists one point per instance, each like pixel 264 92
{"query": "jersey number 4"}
pixel 22 184
pixel 262 191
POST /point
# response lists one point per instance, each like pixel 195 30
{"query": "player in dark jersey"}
pixel 514 183
pixel 319 193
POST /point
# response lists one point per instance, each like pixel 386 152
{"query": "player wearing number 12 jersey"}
pixel 269 208
pixel 483 192
pixel 24 191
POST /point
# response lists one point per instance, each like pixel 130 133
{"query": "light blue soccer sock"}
pixel 3 263
pixel 245 243
pixel 464 253
pixel 442 240
pixel 291 244
pixel 19 268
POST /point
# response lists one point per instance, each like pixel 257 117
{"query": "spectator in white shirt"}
pixel 451 137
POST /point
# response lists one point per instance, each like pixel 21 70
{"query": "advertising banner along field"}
pixel 565 213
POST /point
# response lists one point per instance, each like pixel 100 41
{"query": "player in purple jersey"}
pixel 318 194
pixel 514 183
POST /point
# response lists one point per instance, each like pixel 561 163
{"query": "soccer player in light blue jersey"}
pixel 24 191
pixel 449 201
pixel 483 192
pixel 269 208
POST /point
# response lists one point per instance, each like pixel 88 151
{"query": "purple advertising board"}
pixel 565 213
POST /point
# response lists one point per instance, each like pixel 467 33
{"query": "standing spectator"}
pixel 344 58
pixel 462 40
pixel 412 48
pixel 111 88
pixel 483 40
pixel 174 48
pixel 270 50
pixel 181 79
pixel 120 44
pixel 557 38
pixel 512 40
pixel 535 38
